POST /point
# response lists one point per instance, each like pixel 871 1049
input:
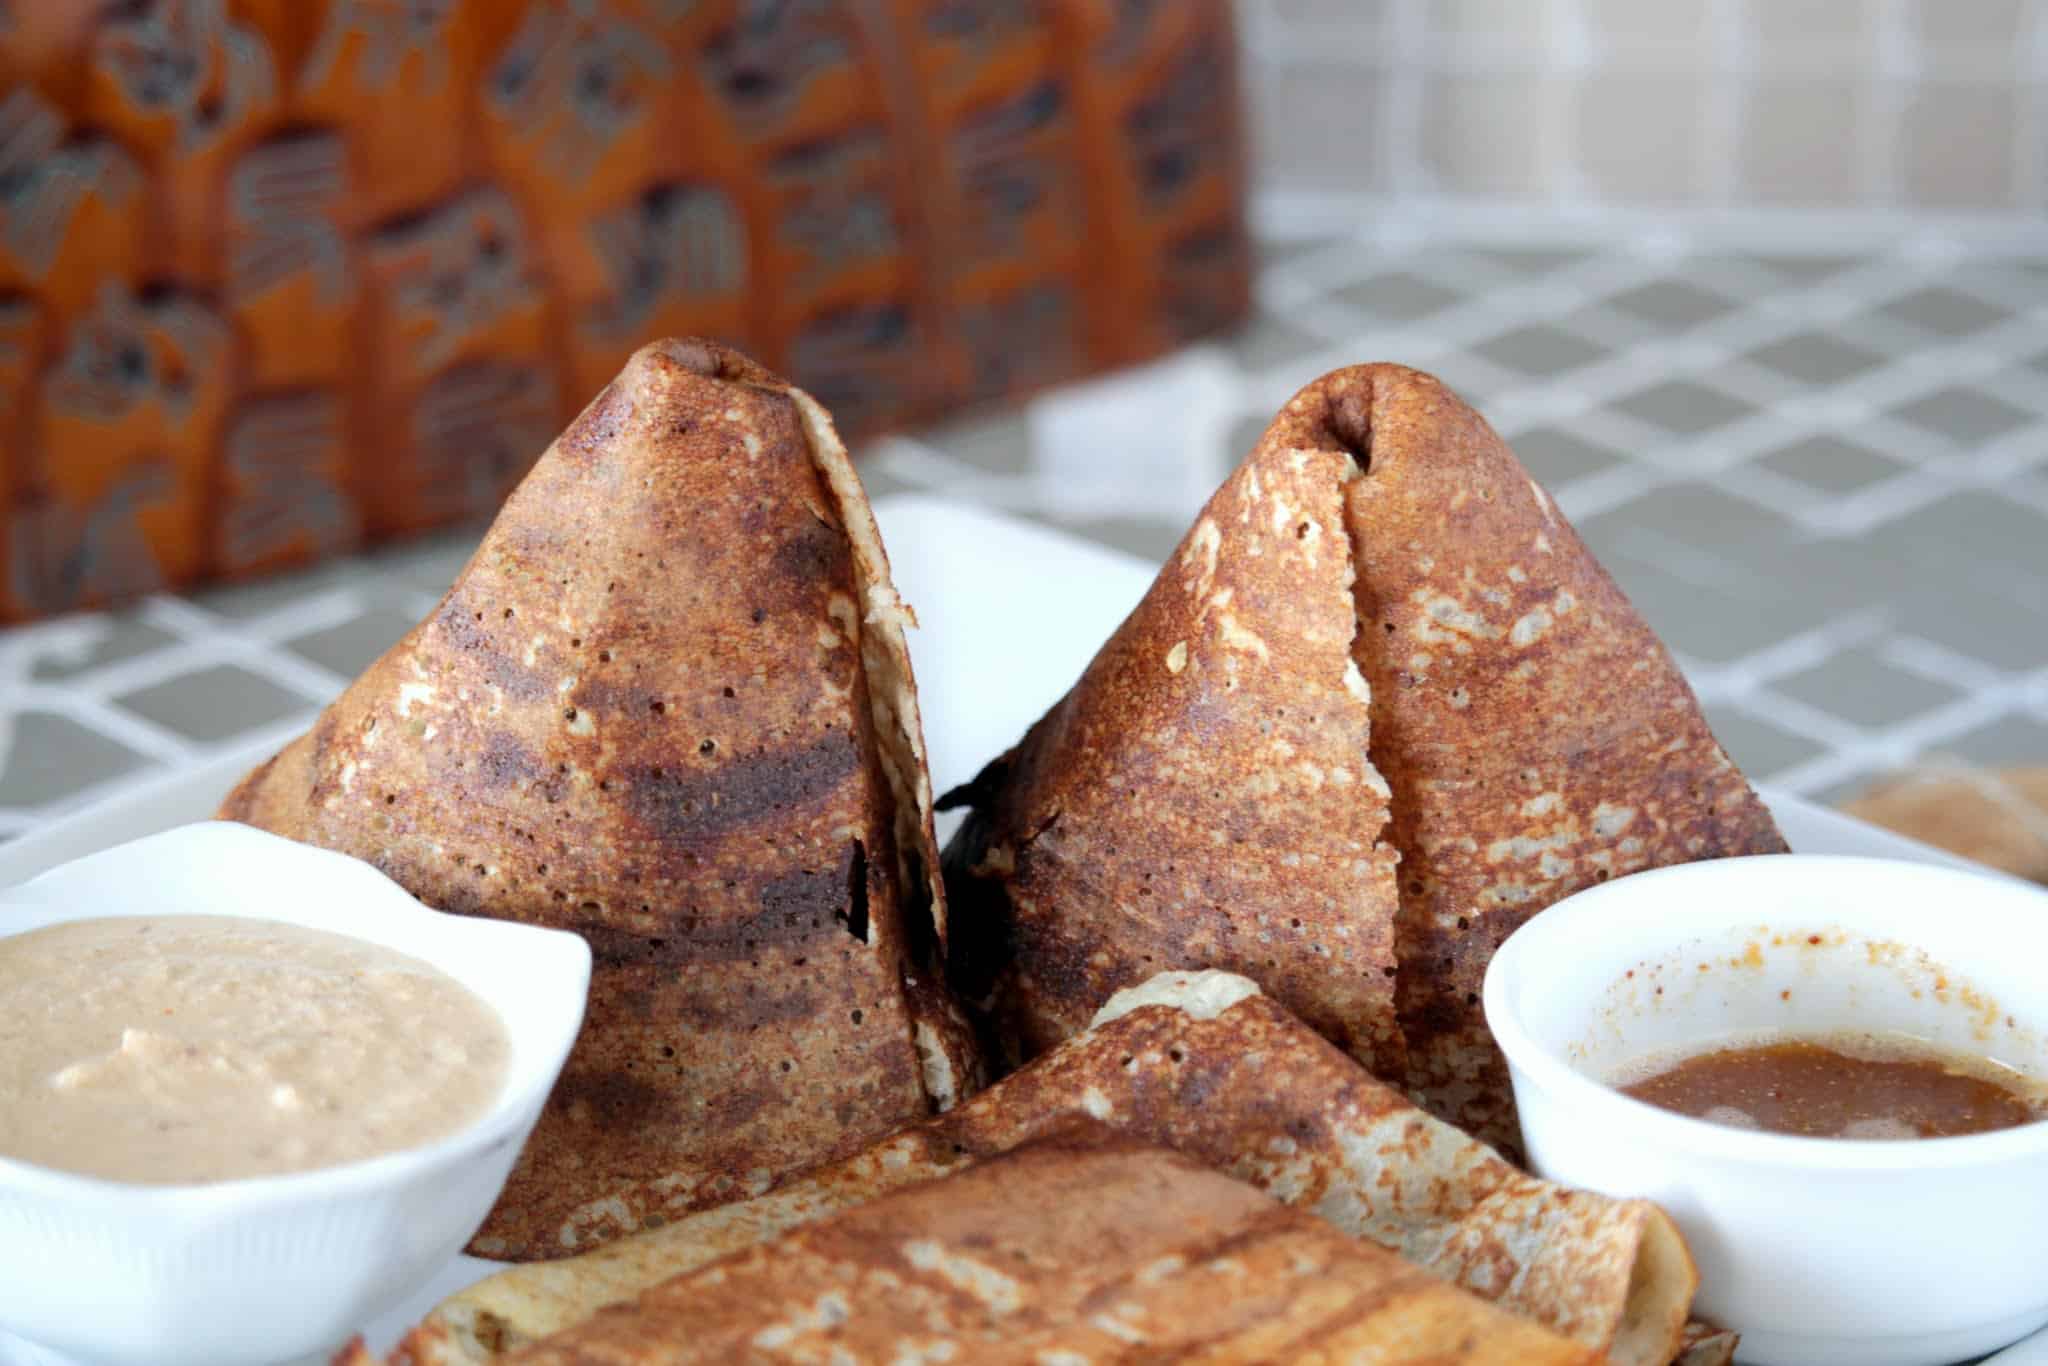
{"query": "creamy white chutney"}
pixel 180 1049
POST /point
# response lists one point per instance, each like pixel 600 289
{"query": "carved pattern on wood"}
pixel 1030 338
pixel 857 361
pixel 673 242
pixel 187 59
pixel 138 351
pixel 572 80
pixel 45 180
pixel 836 208
pixel 761 64
pixel 454 272
pixel 1184 124
pixel 477 428
pixel 1009 167
pixel 285 457
pixel 277 276
pixel 284 202
pixel 64 556
pixel 391 32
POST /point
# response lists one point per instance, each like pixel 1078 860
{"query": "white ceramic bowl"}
pixel 1818 1250
pixel 236 1273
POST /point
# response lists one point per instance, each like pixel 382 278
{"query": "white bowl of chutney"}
pixel 1819 1250
pixel 233 1270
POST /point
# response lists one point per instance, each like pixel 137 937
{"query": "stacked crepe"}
pixel 1207 1067
pixel 1160 1259
pixel 1379 708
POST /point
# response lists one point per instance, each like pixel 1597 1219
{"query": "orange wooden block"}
pixel 282 277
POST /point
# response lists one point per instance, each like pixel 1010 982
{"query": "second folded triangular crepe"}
pixel 1380 644
pixel 667 705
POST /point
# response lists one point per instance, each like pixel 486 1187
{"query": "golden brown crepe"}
pixel 1380 639
pixel 1079 1246
pixel 667 705
pixel 1204 1064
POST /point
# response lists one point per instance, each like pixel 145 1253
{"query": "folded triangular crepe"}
pixel 667 705
pixel 1204 1064
pixel 1081 1245
pixel 1380 638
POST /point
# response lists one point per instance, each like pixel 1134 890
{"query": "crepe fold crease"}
pixel 1378 709
pixel 667 704
pixel 1206 1065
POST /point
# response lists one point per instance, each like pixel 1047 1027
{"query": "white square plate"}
pixel 1010 613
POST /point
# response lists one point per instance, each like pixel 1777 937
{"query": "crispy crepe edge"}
pixel 1094 1214
pixel 948 1055
pixel 525 1303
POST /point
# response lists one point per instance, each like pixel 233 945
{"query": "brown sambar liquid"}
pixel 1881 1089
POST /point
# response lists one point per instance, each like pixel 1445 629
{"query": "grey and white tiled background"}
pixel 1758 288
pixel 1698 103
pixel 1817 463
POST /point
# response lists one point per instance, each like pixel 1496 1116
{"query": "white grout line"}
pixel 143 736
pixel 1741 678
pixel 1899 745
pixel 1938 662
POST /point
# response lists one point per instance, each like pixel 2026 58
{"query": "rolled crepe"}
pixel 1379 708
pixel 1206 1065
pixel 1079 1246
pixel 667 705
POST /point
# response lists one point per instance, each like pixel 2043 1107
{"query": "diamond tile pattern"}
pixel 1759 744
pixel 1860 687
pixel 1816 358
pixel 50 758
pixel 1822 475
pixel 213 704
pixel 1265 342
pixel 348 647
pixel 1539 350
pixel 1671 304
pixel 1996 743
pixel 1831 464
pixel 1964 415
pixel 1683 407
pixel 1556 456
pixel 1946 311
pixel 1534 260
pixel 1399 296
pixel 118 637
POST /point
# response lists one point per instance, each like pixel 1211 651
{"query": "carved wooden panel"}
pixel 281 277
